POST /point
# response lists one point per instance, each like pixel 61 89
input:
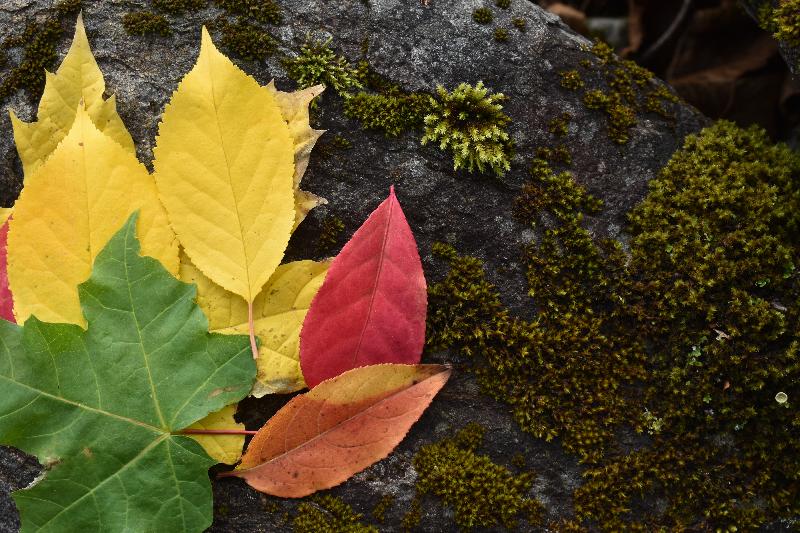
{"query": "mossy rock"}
pixel 781 18
pixel 416 48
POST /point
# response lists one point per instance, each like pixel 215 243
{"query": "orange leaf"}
pixel 340 427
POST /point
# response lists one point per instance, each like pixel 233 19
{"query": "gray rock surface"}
pixel 418 47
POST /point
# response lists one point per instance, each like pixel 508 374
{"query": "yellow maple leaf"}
pixel 77 80
pixel 279 312
pixel 222 448
pixel 224 166
pixel 69 208
pixel 294 109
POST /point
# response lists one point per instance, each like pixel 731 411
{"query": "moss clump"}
pixel 328 514
pixel 571 79
pixel 782 20
pixel 482 15
pixel 379 512
pixel 38 43
pixel 581 330
pixel 244 40
pixel 146 23
pixel 560 154
pixel 317 63
pixel 391 112
pixel 413 516
pixel 520 23
pixel 471 124
pixel 630 90
pixel 559 126
pixel 481 493
pixel 690 338
pixel 501 35
pixel 502 4
pixel 179 7
pixel 266 11
pixel 329 234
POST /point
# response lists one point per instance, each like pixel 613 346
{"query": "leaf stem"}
pixel 251 325
pixel 216 432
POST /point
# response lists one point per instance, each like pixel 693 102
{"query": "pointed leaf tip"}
pixel 371 308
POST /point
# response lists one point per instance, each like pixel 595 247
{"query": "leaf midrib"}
pixel 103 412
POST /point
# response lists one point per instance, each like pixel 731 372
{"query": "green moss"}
pixel 502 4
pixel 328 514
pixel 179 7
pixel 146 23
pixel 329 234
pixel 501 35
pixel 571 79
pixel 481 493
pixel 244 40
pixel 559 126
pixel 66 8
pixel 413 516
pixel 482 15
pixel 689 338
pixel 266 11
pixel 379 512
pixel 317 63
pixel 520 23
pixel 471 124
pixel 782 20
pixel 560 154
pixel 391 112
pixel 629 91
pixel 38 42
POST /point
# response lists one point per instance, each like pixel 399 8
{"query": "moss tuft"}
pixel 471 124
pixel 244 40
pixel 782 20
pixel 328 514
pixel 146 23
pixel 330 232
pixel 179 7
pixel 559 126
pixel 317 63
pixel 266 11
pixel 571 79
pixel 482 15
pixel 379 512
pixel 481 493
pixel 502 4
pixel 520 23
pixel 391 112
pixel 501 35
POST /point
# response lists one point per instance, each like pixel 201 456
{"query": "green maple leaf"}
pixel 100 407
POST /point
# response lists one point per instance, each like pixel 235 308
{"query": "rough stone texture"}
pixel 418 47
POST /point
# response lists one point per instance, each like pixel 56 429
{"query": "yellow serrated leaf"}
pixel 279 312
pixel 222 448
pixel 77 80
pixel 294 109
pixel 70 206
pixel 224 169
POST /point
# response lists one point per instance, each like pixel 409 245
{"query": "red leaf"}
pixel 371 308
pixel 6 302
pixel 321 438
